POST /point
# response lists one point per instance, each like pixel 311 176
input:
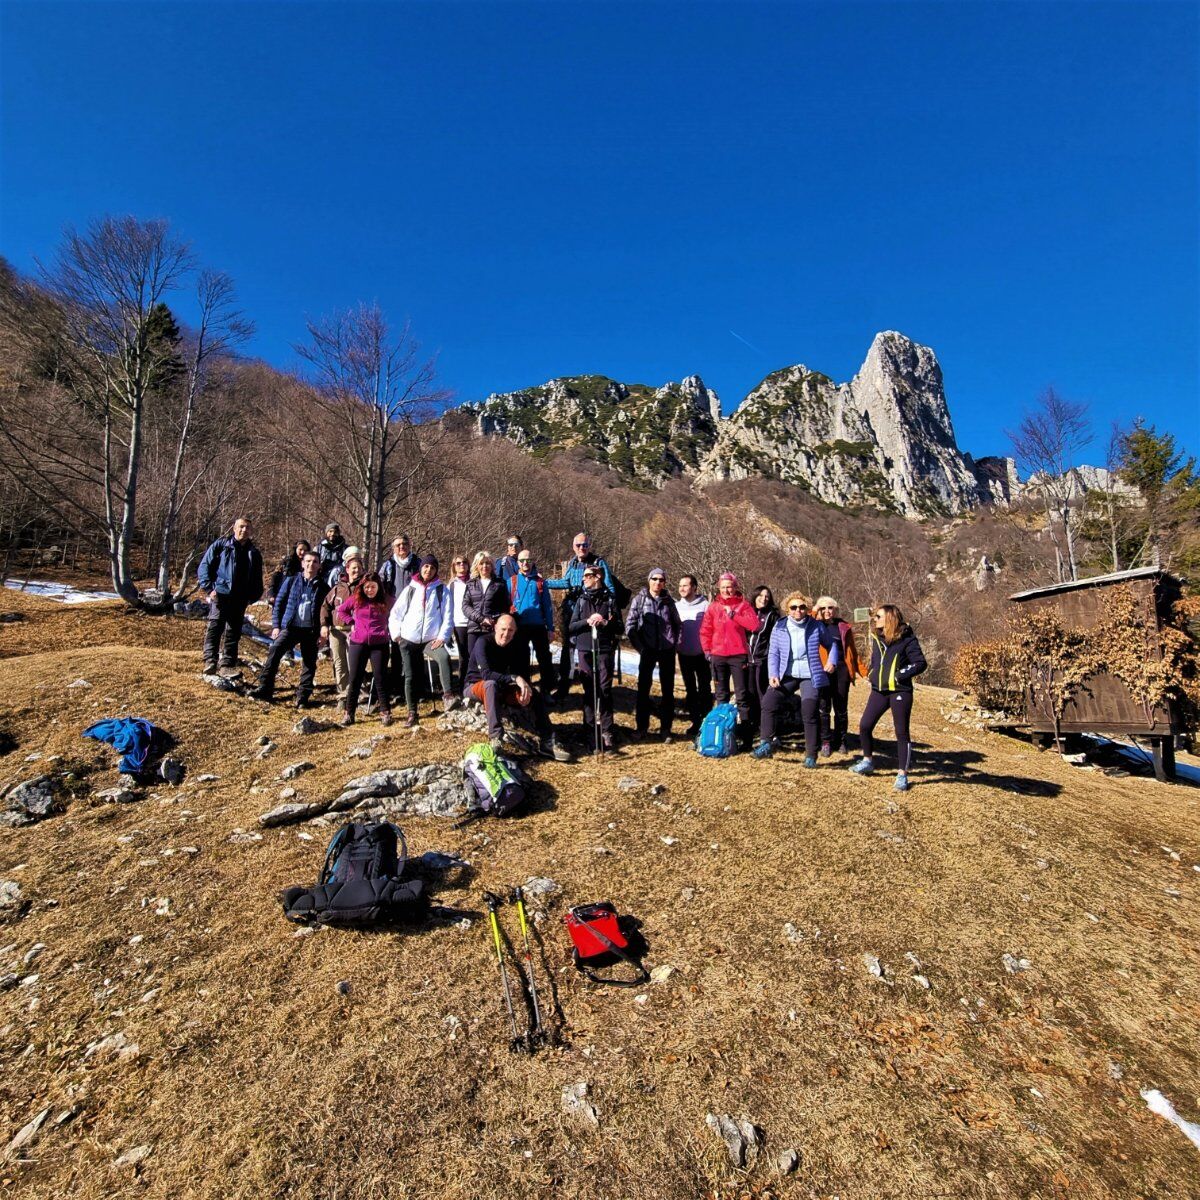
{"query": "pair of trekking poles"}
pixel 535 1032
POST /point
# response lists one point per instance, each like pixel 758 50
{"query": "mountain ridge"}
pixel 884 439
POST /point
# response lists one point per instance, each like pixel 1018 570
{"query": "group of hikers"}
pixel 497 611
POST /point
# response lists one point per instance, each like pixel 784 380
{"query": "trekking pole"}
pixel 536 1031
pixel 596 687
pixel 492 901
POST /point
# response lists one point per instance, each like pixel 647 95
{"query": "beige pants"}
pixel 341 667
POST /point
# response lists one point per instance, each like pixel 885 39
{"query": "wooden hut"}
pixel 1105 706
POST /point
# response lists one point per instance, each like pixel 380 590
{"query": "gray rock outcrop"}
pixel 883 440
pixel 650 434
pixel 31 801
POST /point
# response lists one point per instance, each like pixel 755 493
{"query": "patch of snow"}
pixel 63 593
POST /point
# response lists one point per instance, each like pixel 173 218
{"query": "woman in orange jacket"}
pixel 841 678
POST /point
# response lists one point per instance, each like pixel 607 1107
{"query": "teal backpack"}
pixel 718 732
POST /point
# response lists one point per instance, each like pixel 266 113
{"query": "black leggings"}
pixel 727 668
pixel 836 697
pixel 359 654
pixel 877 704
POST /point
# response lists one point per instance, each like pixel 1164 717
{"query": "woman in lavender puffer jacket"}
pixel 366 611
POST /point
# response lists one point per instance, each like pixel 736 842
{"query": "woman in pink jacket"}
pixel 366 610
pixel 725 639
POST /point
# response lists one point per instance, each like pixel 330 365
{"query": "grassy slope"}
pixel 256 1078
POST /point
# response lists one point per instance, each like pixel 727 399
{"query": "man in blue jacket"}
pixel 571 581
pixel 794 667
pixel 231 577
pixel 534 610
pixel 296 621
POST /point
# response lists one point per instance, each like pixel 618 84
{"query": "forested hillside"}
pixel 131 437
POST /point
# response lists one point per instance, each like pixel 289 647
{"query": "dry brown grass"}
pixel 255 1078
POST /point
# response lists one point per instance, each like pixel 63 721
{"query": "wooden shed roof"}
pixel 1073 585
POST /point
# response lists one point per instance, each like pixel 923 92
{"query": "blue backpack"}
pixel 718 732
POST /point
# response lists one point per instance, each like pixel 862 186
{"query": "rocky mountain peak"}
pixel 884 439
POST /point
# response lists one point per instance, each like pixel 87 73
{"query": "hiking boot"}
pixel 549 748
pixel 385 716
pixel 826 750
pixel 764 749
pixel 302 702
pixel 901 784
pixel 346 719
pixel 864 766
pixel 208 669
pixel 810 762
pixel 449 702
pixel 226 670
pixel 607 745
pixel 411 721
pixel 260 693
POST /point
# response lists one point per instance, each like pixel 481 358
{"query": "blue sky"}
pixel 632 189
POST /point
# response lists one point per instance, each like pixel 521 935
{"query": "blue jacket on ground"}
pixel 291 593
pixel 134 738
pixel 816 635
pixel 218 570
pixel 531 603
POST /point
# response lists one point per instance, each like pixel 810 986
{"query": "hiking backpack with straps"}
pixel 361 881
pixel 718 732
pixel 496 782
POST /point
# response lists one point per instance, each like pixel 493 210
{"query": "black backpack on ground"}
pixel 361 881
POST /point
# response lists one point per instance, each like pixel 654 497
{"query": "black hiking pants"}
pixel 304 636
pixel 664 662
pixel 597 687
pixel 537 637
pixel 697 683
pixel 224 628
pixel 835 701
pixel 779 698
pixel 359 655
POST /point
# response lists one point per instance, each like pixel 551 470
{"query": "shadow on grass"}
pixel 956 766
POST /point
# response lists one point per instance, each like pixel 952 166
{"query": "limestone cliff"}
pixel 883 439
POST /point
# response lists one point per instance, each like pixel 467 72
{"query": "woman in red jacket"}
pixel 725 639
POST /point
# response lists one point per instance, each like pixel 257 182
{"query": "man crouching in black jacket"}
pixel 495 677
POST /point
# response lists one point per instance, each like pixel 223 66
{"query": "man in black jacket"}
pixel 595 629
pixel 653 628
pixel 231 576
pixel 494 678
pixel 398 571
pixel 331 549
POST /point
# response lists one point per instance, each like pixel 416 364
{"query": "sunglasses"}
pixel 797 608
pixel 513 543
pixel 591 574
pixel 658 579
pixel 524 558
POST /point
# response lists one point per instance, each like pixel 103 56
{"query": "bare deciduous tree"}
pixel 220 327
pixel 379 387
pixel 1046 444
pixel 107 283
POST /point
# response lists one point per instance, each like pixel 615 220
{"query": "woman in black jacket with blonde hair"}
pixel 896 660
